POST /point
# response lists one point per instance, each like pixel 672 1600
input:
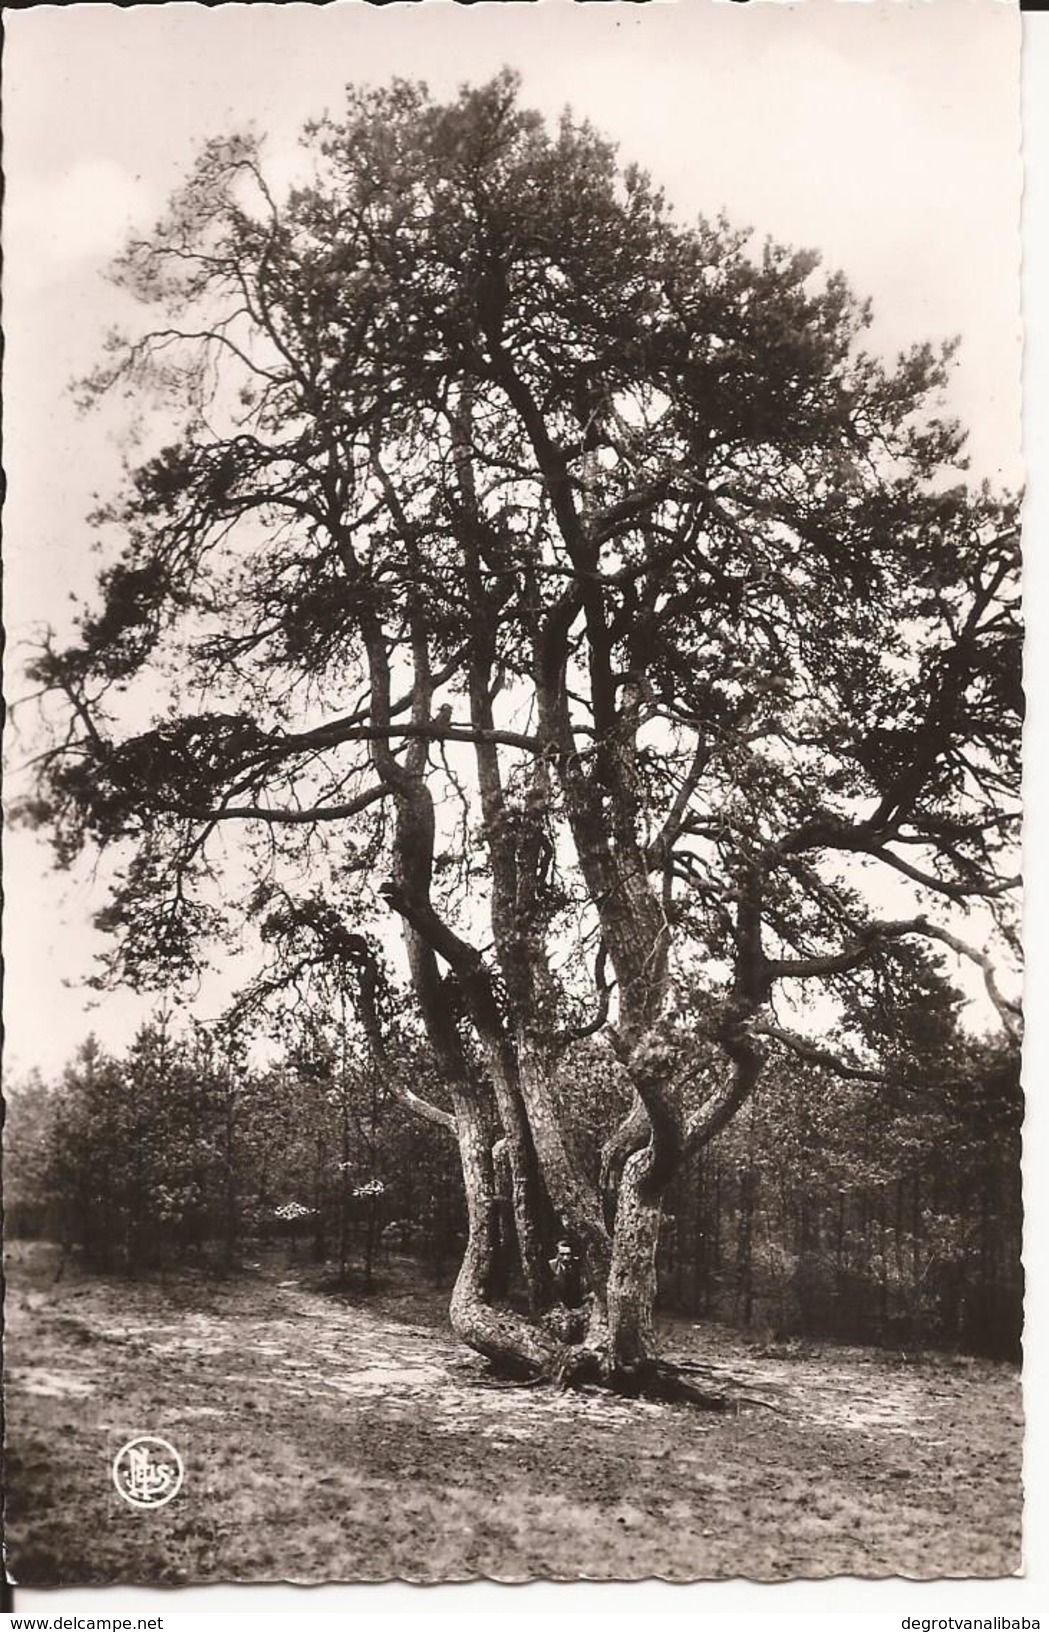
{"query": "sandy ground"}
pixel 330 1440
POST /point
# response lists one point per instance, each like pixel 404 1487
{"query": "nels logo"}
pixel 147 1471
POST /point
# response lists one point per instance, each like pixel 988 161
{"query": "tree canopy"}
pixel 567 583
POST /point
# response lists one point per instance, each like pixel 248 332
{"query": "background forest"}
pixel 824 1210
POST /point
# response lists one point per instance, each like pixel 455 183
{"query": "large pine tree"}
pixel 567 582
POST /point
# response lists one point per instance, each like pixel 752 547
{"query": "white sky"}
pixel 884 133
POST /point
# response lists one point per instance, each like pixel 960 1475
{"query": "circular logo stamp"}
pixel 147 1471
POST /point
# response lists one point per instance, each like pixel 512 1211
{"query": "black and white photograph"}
pixel 512 1002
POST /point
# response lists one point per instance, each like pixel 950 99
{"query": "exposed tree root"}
pixel 524 1355
pixel 660 1380
pixel 587 1370
pixel 511 1383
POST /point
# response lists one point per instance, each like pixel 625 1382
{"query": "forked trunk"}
pixel 618 1337
pixel 616 1349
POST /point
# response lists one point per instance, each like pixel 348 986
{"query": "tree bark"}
pixel 496 1332
pixel 632 1282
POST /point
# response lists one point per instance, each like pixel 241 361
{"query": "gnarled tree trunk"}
pixel 632 1282
pixel 494 1330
